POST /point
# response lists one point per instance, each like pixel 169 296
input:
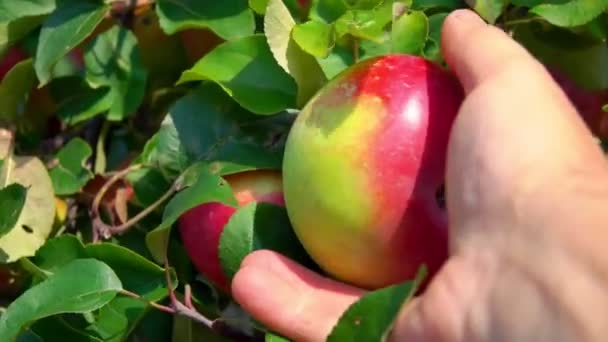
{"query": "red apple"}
pixel 13 57
pixel 202 226
pixel 363 167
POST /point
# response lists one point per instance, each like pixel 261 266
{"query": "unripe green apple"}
pixel 202 226
pixel 364 166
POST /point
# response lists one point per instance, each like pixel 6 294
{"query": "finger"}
pixel 477 51
pixel 518 146
pixel 289 298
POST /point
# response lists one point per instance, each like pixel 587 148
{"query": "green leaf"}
pixel 85 105
pixel 259 226
pixel 118 318
pixel 365 24
pixel 58 252
pixel 15 30
pixel 573 13
pixel 246 69
pixel 259 6
pixel 270 337
pixel 15 91
pixel 36 219
pixel 207 125
pixel 432 49
pixel 137 274
pixel 12 10
pixel 12 199
pixel 229 19
pixel 56 329
pixel 314 37
pixel 372 316
pixel 489 10
pixel 70 173
pixel 155 326
pixel 585 64
pixel 327 11
pixel 303 67
pixel 148 185
pixel 187 330
pixel 113 60
pixel 63 30
pixel 410 32
pixel 83 285
pixel 340 58
pixel 208 188
pixel 447 4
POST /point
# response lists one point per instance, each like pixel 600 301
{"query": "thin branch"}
pixel 107 230
pixel 151 303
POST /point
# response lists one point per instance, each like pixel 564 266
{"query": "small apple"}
pixel 364 168
pixel 202 226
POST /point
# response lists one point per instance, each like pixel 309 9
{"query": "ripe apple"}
pixel 364 166
pixel 202 226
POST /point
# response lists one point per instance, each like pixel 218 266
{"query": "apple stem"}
pixel 105 230
pixel 355 49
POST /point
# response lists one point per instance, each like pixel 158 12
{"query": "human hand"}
pixel 526 192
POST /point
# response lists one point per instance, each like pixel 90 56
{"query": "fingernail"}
pixel 468 16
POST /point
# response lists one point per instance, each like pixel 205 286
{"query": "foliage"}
pixel 118 116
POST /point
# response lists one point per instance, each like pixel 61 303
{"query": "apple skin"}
pixel 363 163
pixel 202 226
pixel 12 57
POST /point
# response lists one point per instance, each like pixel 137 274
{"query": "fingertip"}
pixel 478 51
pixel 289 298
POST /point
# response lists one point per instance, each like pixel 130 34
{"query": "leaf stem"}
pixel 155 305
pixel 106 230
pixel 515 22
pixel 100 154
pixel 218 326
pixel 355 49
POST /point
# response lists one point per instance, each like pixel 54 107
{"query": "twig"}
pixel 188 299
pixel 155 305
pixel 218 326
pixel 106 230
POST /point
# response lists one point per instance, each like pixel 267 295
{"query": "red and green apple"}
pixel 364 167
pixel 202 226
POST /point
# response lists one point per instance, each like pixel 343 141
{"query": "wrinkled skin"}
pixel 202 226
pixel 364 163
